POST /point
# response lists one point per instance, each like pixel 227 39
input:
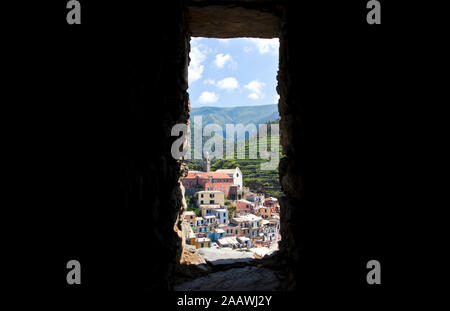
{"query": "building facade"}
pixel 210 197
pixel 221 216
pixel 234 173
pixel 190 217
pixel 203 242
pixel 216 234
pixel 244 206
pixel 207 181
pixel 257 198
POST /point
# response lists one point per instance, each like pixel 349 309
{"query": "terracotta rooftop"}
pixel 207 175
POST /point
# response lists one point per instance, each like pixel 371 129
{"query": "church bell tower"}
pixel 206 162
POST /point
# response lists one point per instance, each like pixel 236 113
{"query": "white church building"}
pixel 235 173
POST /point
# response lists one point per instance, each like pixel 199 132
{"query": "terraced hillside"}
pixel 257 179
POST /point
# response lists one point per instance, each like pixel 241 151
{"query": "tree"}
pixel 197 211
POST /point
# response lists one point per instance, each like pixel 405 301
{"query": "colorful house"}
pixel 237 230
pixel 202 181
pixel 229 242
pixel 245 241
pixel 202 242
pixel 273 204
pixel 199 221
pixel 216 234
pixel 200 226
pixel 247 225
pixel 209 219
pixel 234 173
pixel 190 217
pixel 244 206
pixel 210 197
pixel 209 209
pixel 256 198
pixel 230 230
pixel 265 212
pixel 221 216
pixel 191 238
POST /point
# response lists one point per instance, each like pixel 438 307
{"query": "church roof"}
pixel 207 175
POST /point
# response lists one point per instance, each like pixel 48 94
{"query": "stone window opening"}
pixel 245 21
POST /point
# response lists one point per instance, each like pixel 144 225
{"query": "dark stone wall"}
pixel 149 174
pixel 334 91
pixel 92 178
pixel 232 19
pixel 117 84
pixel 115 186
pixel 290 169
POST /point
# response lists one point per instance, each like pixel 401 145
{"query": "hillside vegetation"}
pixel 235 115
pixel 261 181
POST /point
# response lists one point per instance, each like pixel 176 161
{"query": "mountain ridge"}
pixel 239 114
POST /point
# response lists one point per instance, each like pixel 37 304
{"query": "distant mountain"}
pixel 235 115
pixel 261 181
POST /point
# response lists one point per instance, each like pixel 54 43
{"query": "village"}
pixel 228 215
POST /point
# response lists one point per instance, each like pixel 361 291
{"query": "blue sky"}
pixel 233 72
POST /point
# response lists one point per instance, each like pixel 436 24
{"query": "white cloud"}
pixel 225 41
pixel 228 84
pixel 276 98
pixel 255 87
pixel 221 60
pixel 195 40
pixel 209 81
pixel 265 45
pixel 208 97
pixel 196 68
